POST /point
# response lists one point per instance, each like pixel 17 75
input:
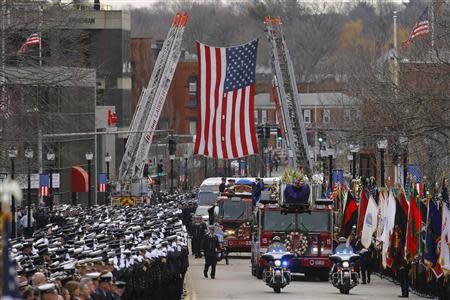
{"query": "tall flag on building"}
pixel 421 28
pixel 388 226
pixel 414 227
pixel 226 80
pixel 44 184
pixel 33 39
pixel 362 211
pixel 433 238
pixel 10 290
pixel 370 222
pixel 445 234
pixel 102 182
pixel 350 215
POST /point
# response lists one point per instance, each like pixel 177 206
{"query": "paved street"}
pixel 235 282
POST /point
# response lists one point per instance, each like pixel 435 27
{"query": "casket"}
pixel 298 199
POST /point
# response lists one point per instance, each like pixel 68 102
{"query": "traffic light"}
pixel 279 135
pixel 260 131
pixel 172 147
pixel 267 132
pixel 320 137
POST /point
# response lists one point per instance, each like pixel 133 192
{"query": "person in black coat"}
pixel 210 247
pixel 198 231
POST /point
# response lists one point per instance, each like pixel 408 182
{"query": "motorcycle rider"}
pixel 341 247
pixel 276 245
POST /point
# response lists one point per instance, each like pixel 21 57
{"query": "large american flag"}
pixel 226 93
pixel 422 27
pixel 33 39
pixel 44 184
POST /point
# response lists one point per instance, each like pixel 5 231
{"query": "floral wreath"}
pixel 297 242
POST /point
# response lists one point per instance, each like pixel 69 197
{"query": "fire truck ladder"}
pixel 151 102
pixel 286 87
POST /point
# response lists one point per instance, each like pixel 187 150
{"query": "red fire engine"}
pixel 307 233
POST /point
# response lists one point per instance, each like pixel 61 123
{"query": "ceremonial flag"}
pixel 102 182
pixel 445 234
pixel 10 289
pixel 421 28
pixel 397 242
pixel 226 82
pixel 382 202
pixel 414 227
pixel 362 211
pixel 388 221
pixel 433 238
pixel 415 172
pixel 44 184
pixel 338 176
pixel 350 215
pixel 33 39
pixel 370 223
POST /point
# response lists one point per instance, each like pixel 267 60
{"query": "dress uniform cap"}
pixel 93 275
pixel 47 287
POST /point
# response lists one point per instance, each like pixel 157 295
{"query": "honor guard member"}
pixel 210 247
pixel 104 290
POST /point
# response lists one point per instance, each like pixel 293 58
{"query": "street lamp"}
pixel 51 159
pixel 331 153
pixel 107 161
pixel 186 156
pixel 382 145
pixel 354 149
pixel 29 156
pixel 12 154
pixel 89 157
pixel 404 143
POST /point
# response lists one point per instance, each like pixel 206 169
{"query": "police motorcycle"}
pixel 344 274
pixel 223 251
pixel 276 273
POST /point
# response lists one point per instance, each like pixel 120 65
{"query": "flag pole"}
pixel 395 30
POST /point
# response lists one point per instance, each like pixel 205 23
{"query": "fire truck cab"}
pixel 308 233
pixel 235 217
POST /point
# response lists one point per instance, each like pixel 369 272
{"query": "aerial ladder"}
pixel 151 102
pixel 286 90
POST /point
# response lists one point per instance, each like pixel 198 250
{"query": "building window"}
pixel 192 127
pixel 264 116
pixel 193 88
pixel 326 116
pixel 307 116
pixel 256 115
pixel 347 115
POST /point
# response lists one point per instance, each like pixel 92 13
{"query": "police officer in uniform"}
pixel 210 247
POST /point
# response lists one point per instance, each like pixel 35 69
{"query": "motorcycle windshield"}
pixel 276 248
pixel 343 249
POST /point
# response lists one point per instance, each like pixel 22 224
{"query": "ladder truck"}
pixel 151 102
pixel 285 86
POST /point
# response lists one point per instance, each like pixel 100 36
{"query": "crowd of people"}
pixel 106 253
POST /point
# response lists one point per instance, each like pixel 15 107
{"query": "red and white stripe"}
pixel 102 187
pixel 226 127
pixel 33 39
pixel 43 190
pixel 421 28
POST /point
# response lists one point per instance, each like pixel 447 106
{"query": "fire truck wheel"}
pixel 323 276
pixel 259 272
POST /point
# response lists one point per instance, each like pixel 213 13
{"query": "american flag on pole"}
pixel 33 39
pixel 422 27
pixel 44 184
pixel 226 94
pixel 102 182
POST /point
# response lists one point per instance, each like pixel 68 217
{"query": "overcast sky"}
pixel 147 3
